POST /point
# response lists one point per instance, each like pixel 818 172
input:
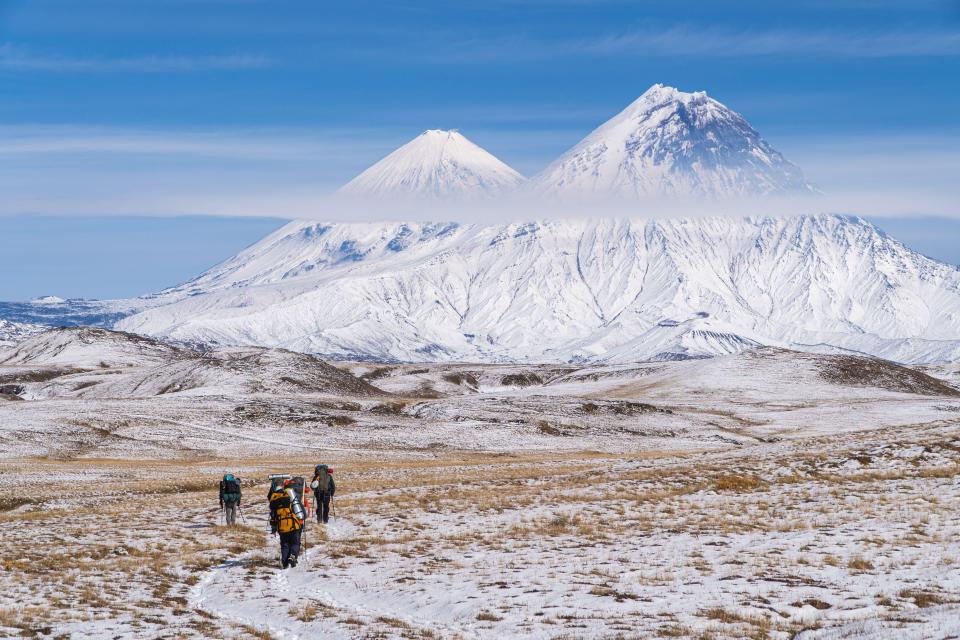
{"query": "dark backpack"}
pixel 230 488
pixel 322 477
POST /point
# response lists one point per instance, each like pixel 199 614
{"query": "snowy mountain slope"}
pixel 603 290
pixel 13 332
pixel 435 164
pixel 672 143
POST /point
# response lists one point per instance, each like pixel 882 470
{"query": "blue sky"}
pixel 116 257
pixel 259 108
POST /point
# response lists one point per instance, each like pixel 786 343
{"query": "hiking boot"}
pixel 293 561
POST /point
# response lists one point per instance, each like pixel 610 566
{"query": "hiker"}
pixel 323 488
pixel 286 518
pixel 230 495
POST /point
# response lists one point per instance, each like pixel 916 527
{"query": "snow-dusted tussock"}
pixel 435 164
pixel 671 143
pixel 605 290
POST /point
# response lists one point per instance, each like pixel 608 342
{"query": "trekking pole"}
pixel 241 514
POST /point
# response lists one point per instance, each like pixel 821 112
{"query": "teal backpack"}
pixel 230 487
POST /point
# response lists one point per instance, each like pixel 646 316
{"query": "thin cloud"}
pixel 338 153
pixel 291 172
pixel 679 41
pixel 15 58
pixel 237 144
pixel 685 41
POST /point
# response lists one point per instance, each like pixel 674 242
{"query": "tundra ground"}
pixel 822 538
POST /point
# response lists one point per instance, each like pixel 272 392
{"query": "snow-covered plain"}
pixel 834 537
pixel 766 494
pixel 594 547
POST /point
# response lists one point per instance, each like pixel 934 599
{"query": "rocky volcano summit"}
pixel 672 143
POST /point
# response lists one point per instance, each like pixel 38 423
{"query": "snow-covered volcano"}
pixel 599 290
pixel 672 143
pixel 435 164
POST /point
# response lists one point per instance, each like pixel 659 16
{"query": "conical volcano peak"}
pixel 669 142
pixel 436 164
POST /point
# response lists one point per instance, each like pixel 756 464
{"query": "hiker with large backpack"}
pixel 323 488
pixel 286 519
pixel 230 495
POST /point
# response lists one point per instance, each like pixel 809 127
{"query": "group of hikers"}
pixel 287 512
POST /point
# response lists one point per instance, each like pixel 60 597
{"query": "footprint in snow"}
pixel 280 582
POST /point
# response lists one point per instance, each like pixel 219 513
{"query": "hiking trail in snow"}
pixel 271 602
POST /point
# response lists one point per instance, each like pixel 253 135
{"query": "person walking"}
pixel 230 495
pixel 286 519
pixel 323 488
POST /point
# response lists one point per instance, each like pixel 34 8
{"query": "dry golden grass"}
pixel 306 613
pixel 256 634
pixel 747 626
pixel 738 483
pixel 859 563
pixel 24 618
pixel 486 616
pixel 922 598
pixel 674 631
